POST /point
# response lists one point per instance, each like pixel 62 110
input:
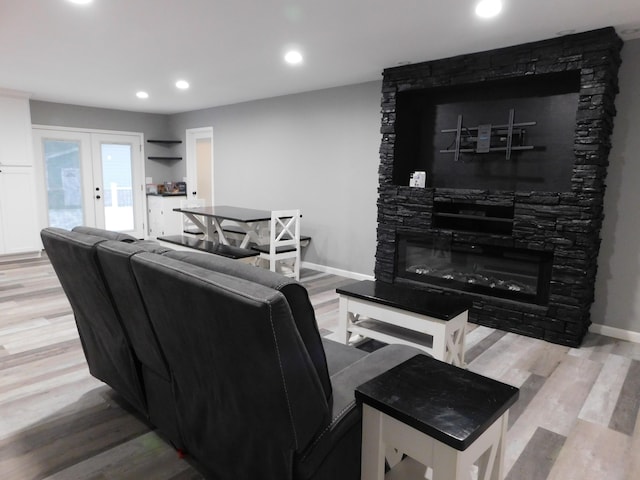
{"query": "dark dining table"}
pixel 212 220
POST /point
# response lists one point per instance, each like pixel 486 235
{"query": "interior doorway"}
pixel 200 164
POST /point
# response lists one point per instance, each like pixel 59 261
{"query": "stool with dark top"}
pixel 439 416
pixel 392 313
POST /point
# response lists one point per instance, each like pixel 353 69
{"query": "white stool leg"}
pixel 373 447
pixel 448 465
pixel 498 469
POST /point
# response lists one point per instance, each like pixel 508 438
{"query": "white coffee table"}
pixel 433 322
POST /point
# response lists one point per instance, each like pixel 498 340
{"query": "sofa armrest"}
pixel 343 431
pixel 340 356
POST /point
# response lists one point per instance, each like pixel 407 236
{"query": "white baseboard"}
pixel 628 335
pixel 337 271
pixel 10 257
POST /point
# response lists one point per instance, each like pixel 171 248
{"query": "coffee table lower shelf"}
pixel 389 333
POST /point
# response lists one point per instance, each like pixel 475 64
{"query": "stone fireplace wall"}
pixel 566 224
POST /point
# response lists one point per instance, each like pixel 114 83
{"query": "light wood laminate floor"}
pixel 577 417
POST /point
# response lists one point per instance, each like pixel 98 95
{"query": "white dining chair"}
pixel 187 225
pixel 284 241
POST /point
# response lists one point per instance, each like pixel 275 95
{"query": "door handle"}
pixel 98 197
pixel 193 193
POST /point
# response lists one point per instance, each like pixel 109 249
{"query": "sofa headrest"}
pixel 295 293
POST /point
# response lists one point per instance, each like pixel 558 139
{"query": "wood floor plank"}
pixel 106 428
pixel 539 456
pixel 603 398
pixel 556 405
pixel 10 361
pixel 543 360
pixel 35 373
pixel 634 459
pixel 626 410
pixel 499 361
pixel 46 403
pixel 124 461
pixel 58 422
pixel 478 333
pixel 528 390
pixel 478 348
pixel 592 451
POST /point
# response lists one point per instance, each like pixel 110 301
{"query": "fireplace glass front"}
pixel 515 274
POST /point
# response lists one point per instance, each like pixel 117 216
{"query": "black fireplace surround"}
pixel 515 146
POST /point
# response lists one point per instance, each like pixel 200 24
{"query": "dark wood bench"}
pixel 228 251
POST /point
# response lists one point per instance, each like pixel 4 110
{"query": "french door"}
pixel 90 178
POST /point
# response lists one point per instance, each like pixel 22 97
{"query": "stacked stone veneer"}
pixel 565 223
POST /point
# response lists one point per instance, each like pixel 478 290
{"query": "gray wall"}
pixel 319 151
pixel 617 302
pixel 153 126
pixel 315 151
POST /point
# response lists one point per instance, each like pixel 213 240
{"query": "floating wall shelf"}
pixel 164 143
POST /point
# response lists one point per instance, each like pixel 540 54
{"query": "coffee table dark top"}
pixel 450 404
pixel 436 305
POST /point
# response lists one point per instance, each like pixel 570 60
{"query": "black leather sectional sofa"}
pixel 223 358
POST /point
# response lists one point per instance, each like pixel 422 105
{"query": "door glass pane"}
pixel 64 183
pixel 117 181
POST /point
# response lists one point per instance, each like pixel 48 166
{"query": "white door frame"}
pixel 54 132
pixel 192 136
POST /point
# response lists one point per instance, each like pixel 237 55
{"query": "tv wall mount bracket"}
pixel 489 138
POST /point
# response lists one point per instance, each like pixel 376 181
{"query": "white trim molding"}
pixel 628 335
pixel 337 271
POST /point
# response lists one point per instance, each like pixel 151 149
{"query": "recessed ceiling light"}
pixel 182 84
pixel 293 57
pixel 80 2
pixel 488 8
pixel 142 94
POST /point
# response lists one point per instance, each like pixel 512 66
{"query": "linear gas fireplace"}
pixel 515 274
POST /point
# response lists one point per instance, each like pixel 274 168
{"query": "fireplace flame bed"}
pixel 515 274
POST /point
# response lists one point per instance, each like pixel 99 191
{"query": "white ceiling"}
pixel 231 50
